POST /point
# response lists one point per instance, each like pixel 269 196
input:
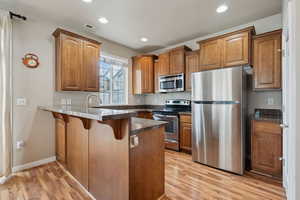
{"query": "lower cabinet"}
pixel 60 140
pixel 147 166
pixel 77 150
pixel 145 114
pixel 186 133
pixel 266 148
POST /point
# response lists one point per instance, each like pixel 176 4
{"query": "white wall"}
pixel 33 126
pixel 256 99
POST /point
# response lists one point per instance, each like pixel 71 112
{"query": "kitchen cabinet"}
pixel 236 49
pixel 267 60
pixel 266 148
pixel 145 114
pixel 60 140
pixel 143 74
pixel 229 50
pixel 192 65
pixel 177 60
pixel 164 64
pixel 77 150
pixel 186 133
pixel 173 61
pixel 147 165
pixel 77 62
pixel 156 76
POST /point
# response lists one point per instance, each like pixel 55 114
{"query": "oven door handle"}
pixel 165 116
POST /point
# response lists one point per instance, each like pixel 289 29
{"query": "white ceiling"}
pixel 164 22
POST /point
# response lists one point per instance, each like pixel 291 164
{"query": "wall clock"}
pixel 31 60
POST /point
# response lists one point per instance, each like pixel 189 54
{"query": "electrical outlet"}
pixel 20 144
pixel 21 101
pixel 63 101
pixel 69 101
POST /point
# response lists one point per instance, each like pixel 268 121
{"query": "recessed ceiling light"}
pixel 143 39
pixel 222 8
pixel 103 20
pixel 87 1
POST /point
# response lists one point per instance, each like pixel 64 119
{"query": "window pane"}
pixel 112 81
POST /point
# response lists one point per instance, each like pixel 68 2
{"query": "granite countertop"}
pixel 268 119
pixel 139 124
pixel 90 113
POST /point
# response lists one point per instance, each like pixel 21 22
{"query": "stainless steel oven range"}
pixel 170 114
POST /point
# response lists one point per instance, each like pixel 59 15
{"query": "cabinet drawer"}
pixel 269 127
pixel 186 118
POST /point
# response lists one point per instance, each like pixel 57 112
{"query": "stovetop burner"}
pixel 175 106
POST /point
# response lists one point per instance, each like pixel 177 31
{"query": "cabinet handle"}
pixel 284 125
pixel 134 141
pixel 281 158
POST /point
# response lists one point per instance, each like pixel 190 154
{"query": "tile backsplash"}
pixel 159 99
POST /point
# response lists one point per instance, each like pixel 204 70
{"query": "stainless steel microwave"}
pixel 171 83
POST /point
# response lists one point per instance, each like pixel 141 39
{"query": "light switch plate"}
pixel 270 101
pixel 21 101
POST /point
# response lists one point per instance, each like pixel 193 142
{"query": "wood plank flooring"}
pixel 185 180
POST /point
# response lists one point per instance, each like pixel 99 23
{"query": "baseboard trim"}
pixel 33 164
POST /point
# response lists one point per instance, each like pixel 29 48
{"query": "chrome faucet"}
pixel 88 97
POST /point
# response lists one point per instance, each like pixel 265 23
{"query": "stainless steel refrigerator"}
pixel 218 107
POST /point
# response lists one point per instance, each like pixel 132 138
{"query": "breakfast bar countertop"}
pixel 99 114
pixel 141 124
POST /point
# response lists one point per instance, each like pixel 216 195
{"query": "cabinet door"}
pixel 136 76
pixel 164 64
pixel 71 63
pixel 266 148
pixel 60 133
pixel 156 76
pixel 91 66
pixel 177 61
pixel 236 50
pixel 192 65
pixel 147 64
pixel 186 137
pixel 77 150
pixel 210 55
pixel 267 62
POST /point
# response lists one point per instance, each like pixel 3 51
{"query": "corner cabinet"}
pixel 267 60
pixel 77 62
pixel 143 74
pixel 229 50
pixel 266 148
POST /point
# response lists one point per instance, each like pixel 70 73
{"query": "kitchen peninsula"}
pixel 111 153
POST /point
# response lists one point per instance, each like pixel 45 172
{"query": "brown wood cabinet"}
pixel 147 166
pixel 145 114
pixel 266 148
pixel 156 76
pixel 143 74
pixel 186 133
pixel 77 150
pixel 267 60
pixel 164 64
pixel 77 62
pixel 192 65
pixel 227 50
pixel 173 61
pixel 60 140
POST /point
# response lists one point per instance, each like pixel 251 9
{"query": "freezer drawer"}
pixel 218 136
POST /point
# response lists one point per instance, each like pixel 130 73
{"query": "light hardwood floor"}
pixel 185 180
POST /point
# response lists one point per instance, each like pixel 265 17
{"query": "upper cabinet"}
pixel 77 62
pixel 267 60
pixel 143 74
pixel 236 49
pixel 227 50
pixel 173 61
pixel 210 55
pixel 177 60
pixel 192 65
pixel 164 64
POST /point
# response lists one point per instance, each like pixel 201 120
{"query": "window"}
pixel 113 85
